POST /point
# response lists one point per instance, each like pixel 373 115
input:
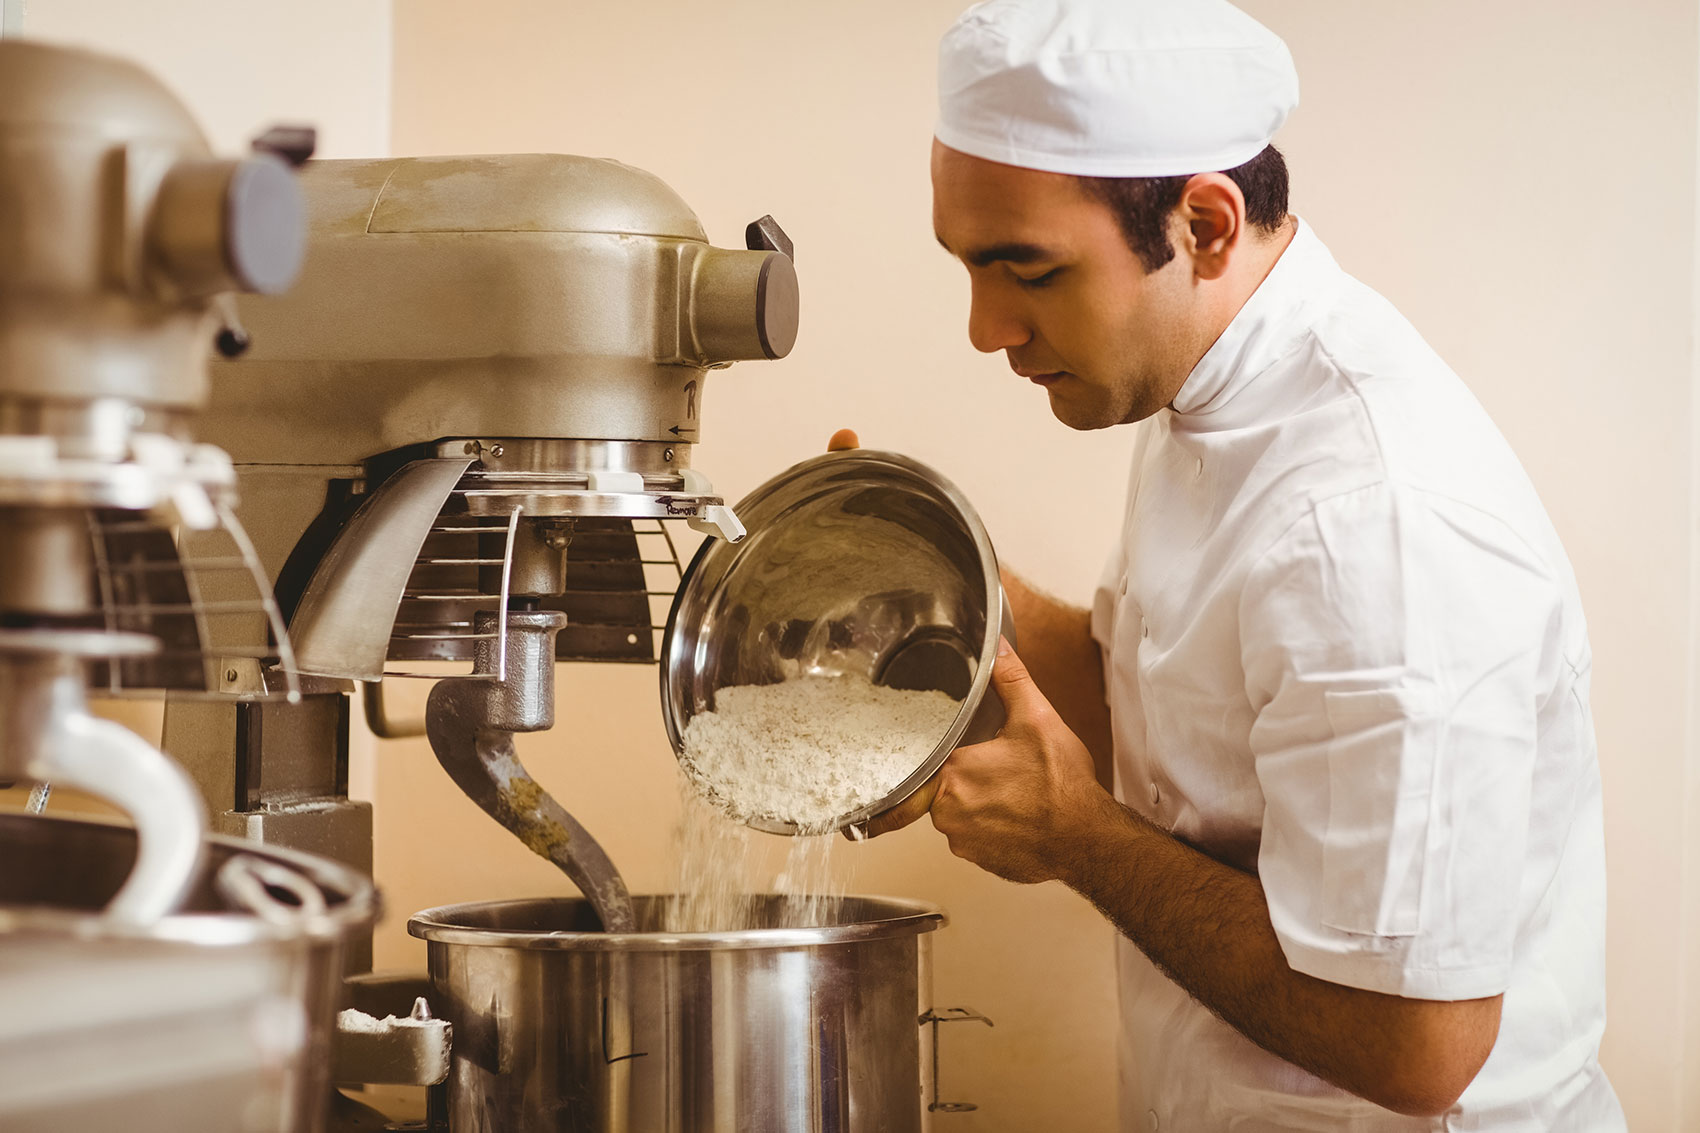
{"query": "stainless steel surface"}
pixel 858 562
pixel 341 626
pixel 47 735
pixel 209 1019
pixel 471 724
pixel 562 1028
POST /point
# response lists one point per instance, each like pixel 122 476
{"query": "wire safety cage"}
pixel 621 576
pixel 435 620
pixel 202 594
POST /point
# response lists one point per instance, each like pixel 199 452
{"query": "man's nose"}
pixel 994 325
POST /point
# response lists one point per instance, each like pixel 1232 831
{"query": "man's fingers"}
pixel 842 440
pixel 905 812
pixel 1015 685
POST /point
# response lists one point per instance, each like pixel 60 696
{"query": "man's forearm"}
pixel 1206 925
pixel 1067 664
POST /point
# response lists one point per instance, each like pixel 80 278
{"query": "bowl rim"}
pixel 360 907
pixel 906 917
pixel 875 461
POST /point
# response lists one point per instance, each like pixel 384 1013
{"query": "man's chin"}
pixel 1080 414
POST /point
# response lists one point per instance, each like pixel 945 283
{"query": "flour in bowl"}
pixel 812 749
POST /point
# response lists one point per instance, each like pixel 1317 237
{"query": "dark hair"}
pixel 1142 204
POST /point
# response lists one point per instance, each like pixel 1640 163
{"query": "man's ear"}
pixel 1212 215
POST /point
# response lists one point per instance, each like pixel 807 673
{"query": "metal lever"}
pixel 949 1015
pixel 765 234
pixel 378 717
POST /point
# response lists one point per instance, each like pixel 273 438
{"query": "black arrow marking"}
pixel 606 1057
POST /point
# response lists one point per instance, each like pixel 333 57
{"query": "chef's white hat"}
pixel 1113 88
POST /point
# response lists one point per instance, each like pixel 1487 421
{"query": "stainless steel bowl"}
pixel 210 1018
pixel 856 562
pixel 562 1027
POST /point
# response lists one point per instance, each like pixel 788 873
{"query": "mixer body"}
pixel 490 369
pixel 140 990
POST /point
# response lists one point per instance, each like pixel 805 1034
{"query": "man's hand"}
pixel 1024 805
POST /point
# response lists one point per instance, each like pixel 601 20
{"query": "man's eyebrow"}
pixel 1014 253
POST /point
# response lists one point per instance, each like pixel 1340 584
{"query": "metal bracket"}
pixel 949 1015
pixel 378 717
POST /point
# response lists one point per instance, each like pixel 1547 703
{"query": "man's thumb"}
pixel 1015 686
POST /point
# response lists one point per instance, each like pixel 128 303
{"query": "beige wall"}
pixel 1518 178
pixel 242 65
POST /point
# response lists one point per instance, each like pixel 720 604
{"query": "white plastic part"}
pixel 27 456
pixel 192 506
pixel 212 465
pixel 696 484
pixel 110 761
pixel 719 521
pixel 157 453
pixel 609 481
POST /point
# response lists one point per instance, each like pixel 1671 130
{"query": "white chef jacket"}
pixel 1344 648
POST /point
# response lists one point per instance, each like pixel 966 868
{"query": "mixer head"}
pixel 120 236
pixel 486 387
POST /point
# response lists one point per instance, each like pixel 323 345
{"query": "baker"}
pixel 1338 661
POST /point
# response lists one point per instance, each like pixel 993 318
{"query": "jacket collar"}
pixel 1273 320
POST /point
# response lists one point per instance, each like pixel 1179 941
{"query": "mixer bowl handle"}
pixel 109 760
pixel 48 735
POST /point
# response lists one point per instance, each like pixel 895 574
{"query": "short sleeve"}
pixel 1395 646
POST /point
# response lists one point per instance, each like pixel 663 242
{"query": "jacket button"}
pixel 1156 795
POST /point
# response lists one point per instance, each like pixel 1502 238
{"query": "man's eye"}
pixel 1038 280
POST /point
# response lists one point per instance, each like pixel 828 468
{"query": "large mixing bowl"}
pixel 211 1018
pixel 560 1027
pixel 858 562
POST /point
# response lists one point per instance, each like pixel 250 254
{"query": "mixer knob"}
pixel 228 225
pixel 294 144
pixel 231 342
pixel 745 303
